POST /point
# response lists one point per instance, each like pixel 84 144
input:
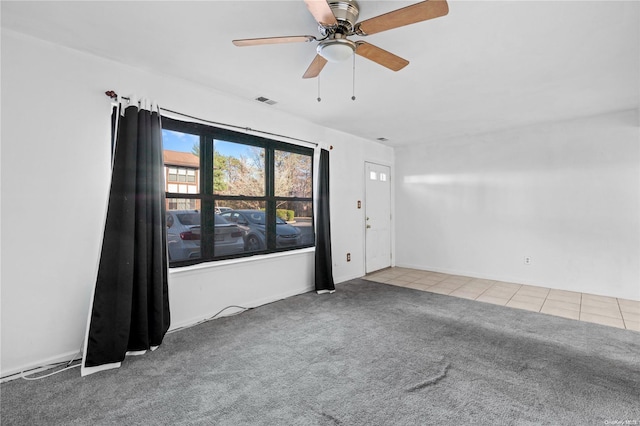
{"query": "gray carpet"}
pixel 370 354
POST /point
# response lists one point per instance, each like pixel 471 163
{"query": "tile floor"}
pixel 621 313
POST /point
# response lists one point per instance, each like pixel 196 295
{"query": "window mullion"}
pixel 206 184
pixel 271 201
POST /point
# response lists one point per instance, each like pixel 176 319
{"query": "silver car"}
pixel 252 222
pixel 183 235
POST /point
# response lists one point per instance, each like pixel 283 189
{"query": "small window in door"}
pixel 373 175
pixel 383 177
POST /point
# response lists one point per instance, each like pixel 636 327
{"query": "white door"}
pixel 377 217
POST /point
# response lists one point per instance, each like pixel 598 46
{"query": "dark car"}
pixel 183 235
pixel 253 224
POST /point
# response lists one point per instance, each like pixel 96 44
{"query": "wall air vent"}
pixel 265 100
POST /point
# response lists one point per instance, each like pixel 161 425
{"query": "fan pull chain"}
pixel 353 93
pixel 319 98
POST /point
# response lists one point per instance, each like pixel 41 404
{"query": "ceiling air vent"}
pixel 265 100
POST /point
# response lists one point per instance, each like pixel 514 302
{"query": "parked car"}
pixel 253 224
pixel 228 237
pixel 183 235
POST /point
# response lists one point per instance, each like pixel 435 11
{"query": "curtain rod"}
pixel 114 95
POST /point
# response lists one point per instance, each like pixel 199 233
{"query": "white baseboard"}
pixel 343 278
pixel 36 366
pixel 232 310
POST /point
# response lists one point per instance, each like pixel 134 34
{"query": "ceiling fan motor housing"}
pixel 337 47
pixel 346 13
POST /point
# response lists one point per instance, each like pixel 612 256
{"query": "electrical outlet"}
pixel 348 257
pixel 527 260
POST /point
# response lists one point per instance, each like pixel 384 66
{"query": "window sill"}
pixel 242 260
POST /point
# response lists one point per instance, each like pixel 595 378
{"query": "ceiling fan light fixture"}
pixel 336 50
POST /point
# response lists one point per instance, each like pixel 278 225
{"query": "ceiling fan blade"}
pixel 321 12
pixel 380 56
pixel 273 40
pixel 407 15
pixel 316 66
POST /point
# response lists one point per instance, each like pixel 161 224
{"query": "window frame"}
pixel 208 197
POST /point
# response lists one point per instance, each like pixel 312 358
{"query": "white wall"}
pixel 55 178
pixel 347 188
pixel 566 194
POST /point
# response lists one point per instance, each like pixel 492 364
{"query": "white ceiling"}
pixel 487 65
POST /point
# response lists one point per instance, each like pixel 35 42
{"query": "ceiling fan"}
pixel 338 19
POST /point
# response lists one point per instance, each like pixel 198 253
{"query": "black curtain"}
pixel 130 309
pixel 324 270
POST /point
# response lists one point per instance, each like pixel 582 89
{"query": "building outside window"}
pixel 181 177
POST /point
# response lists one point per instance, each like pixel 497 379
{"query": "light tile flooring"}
pixel 621 313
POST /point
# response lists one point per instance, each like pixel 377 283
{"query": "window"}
pixel 232 195
pixel 181 175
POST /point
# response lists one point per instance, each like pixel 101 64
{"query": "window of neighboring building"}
pixel 231 194
pixel 181 175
